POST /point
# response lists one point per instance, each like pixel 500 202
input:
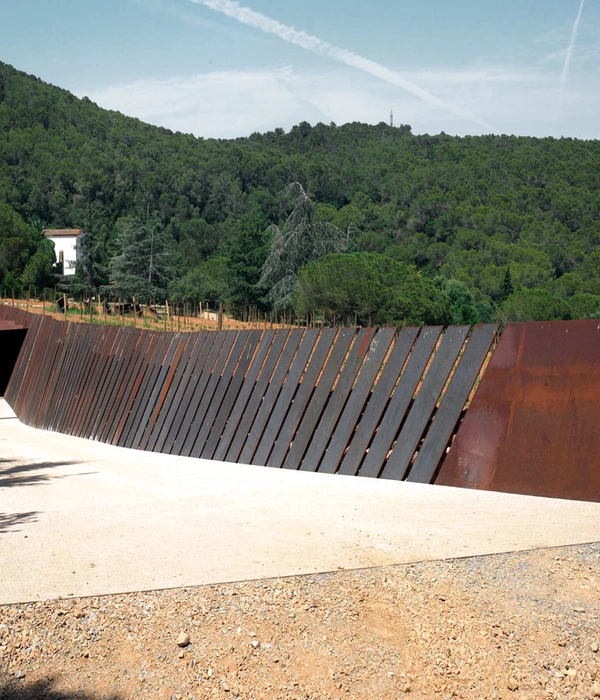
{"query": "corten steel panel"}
pixel 157 380
pixel 100 362
pixel 79 385
pixel 116 359
pixel 357 400
pixel 209 392
pixel 270 398
pixel 48 357
pixel 233 391
pixel 128 391
pixel 445 420
pixel 117 395
pixel 82 397
pixel 244 395
pixel 378 401
pixel 149 370
pixel 235 358
pixel 56 387
pixel 183 401
pixel 193 368
pixel 319 398
pixel 533 426
pixel 392 418
pixel 163 384
pixel 399 461
pixel 337 399
pixel 286 397
pixel 158 421
pixel 302 397
pixel 259 388
pixel 220 349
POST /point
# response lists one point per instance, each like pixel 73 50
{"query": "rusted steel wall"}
pixel 358 401
pixel 534 424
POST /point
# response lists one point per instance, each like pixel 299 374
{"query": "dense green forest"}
pixel 371 223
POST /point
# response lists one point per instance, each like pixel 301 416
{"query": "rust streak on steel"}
pixel 534 424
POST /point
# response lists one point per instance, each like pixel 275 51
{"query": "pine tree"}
pixel 507 286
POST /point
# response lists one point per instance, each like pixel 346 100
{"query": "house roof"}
pixel 58 232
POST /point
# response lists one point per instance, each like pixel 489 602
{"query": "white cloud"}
pixel 228 104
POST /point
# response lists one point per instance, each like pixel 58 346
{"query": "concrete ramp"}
pixel 81 518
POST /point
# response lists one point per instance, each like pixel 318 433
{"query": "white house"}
pixel 65 247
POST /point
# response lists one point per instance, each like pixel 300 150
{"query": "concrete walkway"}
pixel 79 518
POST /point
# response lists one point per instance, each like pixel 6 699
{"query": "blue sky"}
pixel 217 68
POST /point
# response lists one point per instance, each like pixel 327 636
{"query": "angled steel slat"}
pixel 81 340
pixel 84 418
pixel 158 377
pixel 115 361
pixel 164 381
pixel 128 391
pixel 319 398
pixel 357 399
pixel 188 391
pixel 209 392
pixel 394 414
pixel 422 409
pixel 221 338
pixel 259 389
pixel 281 371
pixel 49 362
pixel 302 397
pixel 378 402
pixel 188 341
pixel 147 375
pixel 158 443
pixel 359 350
pixel 117 393
pixel 286 397
pixel 16 380
pixel 79 392
pixel 231 395
pixel 62 376
pixel 456 395
pixel 245 391
pixel 223 386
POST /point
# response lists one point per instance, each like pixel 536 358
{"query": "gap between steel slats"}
pixel 319 398
pixel 417 420
pixel 259 389
pixel 298 342
pixel 189 342
pixel 424 468
pixel 301 398
pixel 211 386
pixel 231 396
pixel 157 441
pixel 236 356
pixel 184 402
pixel 357 399
pixel 337 399
pixel 247 383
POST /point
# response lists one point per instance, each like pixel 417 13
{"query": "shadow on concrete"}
pixel 21 690
pixel 9 522
pixel 27 474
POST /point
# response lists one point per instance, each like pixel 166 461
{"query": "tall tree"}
pixel 144 268
pixel 301 240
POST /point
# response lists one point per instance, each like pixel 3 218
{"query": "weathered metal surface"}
pixel 455 397
pixel 378 401
pixel 533 426
pixel 323 400
pixel 417 420
pixel 302 397
pixel 357 400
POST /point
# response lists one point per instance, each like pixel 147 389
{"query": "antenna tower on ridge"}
pixel 391 117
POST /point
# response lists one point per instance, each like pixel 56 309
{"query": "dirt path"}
pixel 505 626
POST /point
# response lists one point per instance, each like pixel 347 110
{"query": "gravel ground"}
pixel 523 625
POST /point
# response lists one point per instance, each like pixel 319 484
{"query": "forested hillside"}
pixel 480 227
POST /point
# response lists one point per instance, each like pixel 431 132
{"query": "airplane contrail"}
pixel 247 16
pixel 565 73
